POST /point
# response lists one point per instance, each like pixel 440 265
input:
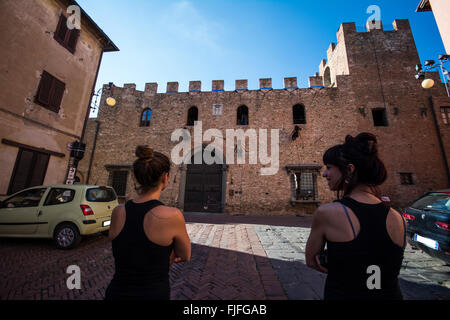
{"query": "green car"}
pixel 64 213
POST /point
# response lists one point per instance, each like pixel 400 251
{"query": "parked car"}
pixel 64 213
pixel 428 219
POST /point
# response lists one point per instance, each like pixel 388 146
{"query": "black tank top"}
pixel 141 266
pixel 349 262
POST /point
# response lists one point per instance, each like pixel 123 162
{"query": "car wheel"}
pixel 67 236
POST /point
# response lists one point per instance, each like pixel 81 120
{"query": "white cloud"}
pixel 183 20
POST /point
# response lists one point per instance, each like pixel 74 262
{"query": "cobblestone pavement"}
pixel 233 257
pixel 421 277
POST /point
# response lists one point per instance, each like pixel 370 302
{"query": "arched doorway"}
pixel 204 187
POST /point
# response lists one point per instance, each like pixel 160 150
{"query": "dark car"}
pixel 428 219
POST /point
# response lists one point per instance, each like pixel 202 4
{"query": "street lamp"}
pixel 427 84
pixel 110 101
pixel 431 65
pixel 78 148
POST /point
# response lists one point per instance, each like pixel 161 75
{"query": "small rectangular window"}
pixel 50 92
pixel 379 117
pixel 406 178
pixel 445 114
pixel 304 185
pixel 66 37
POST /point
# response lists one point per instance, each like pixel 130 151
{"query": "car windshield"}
pixel 100 195
pixel 433 201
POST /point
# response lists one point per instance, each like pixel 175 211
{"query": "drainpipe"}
pixel 97 127
pixel 441 145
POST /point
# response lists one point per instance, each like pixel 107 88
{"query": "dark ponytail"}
pixel 149 168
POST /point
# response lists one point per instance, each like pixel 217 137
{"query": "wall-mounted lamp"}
pixel 295 134
pixel 362 111
pixel 423 111
pixel 110 101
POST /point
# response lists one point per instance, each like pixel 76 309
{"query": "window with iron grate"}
pixel 406 178
pixel 119 182
pixel 445 113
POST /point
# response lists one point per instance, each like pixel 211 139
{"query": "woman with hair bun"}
pixel 365 238
pixel 147 236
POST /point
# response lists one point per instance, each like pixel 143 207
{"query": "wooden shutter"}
pixel 57 93
pixel 45 86
pixel 29 171
pixel 61 30
pixel 72 39
pixel 50 92
pixel 67 38
pixel 39 169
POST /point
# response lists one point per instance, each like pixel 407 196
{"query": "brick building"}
pixel 366 84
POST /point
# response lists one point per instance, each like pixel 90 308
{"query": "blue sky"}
pixel 184 40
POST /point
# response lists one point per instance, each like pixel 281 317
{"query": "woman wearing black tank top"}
pixel 147 236
pixel 365 238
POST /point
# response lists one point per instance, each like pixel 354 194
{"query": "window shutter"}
pixel 61 30
pixel 21 172
pixel 57 95
pixel 45 86
pixel 73 38
pixel 39 170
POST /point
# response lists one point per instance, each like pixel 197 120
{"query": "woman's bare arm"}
pixel 182 243
pixel 316 241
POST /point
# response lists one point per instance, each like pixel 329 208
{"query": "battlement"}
pixel 151 88
pixel 350 55
pixel 353 49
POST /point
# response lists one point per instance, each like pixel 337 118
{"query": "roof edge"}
pixel 424 6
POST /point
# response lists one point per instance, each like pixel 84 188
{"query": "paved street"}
pixel 233 257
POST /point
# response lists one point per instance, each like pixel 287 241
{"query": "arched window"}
pixel 242 116
pixel 145 117
pixel 298 113
pixel 327 77
pixel 192 116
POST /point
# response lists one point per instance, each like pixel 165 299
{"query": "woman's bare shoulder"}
pixel 119 210
pixel 395 216
pixel 328 208
pixel 166 212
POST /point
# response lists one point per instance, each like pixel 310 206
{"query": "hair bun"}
pixel 368 143
pixel 349 139
pixel 144 152
pixel 364 142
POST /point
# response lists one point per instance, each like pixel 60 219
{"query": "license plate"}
pixel 106 223
pixel 426 241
